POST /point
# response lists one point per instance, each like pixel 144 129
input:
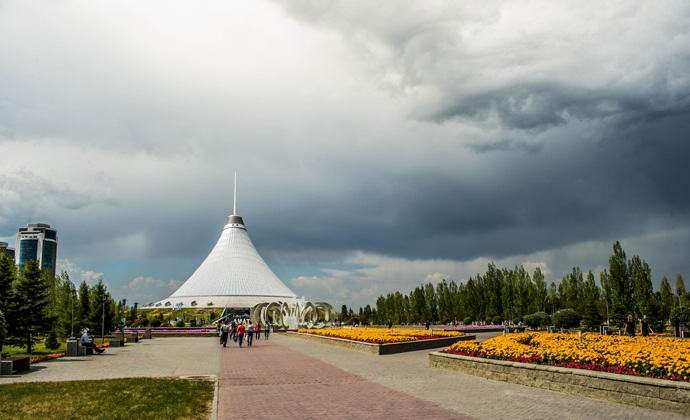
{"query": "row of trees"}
pixel 625 287
pixel 34 306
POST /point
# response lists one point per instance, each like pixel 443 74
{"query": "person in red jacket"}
pixel 240 333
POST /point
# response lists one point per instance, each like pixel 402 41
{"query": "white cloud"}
pixel 145 289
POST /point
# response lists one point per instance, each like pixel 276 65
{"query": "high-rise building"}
pixel 5 249
pixel 37 241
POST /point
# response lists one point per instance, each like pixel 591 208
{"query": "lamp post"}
pixel 103 322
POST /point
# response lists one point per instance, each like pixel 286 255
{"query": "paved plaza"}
pixel 287 377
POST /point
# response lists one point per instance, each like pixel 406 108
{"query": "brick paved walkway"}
pixel 473 396
pixel 271 381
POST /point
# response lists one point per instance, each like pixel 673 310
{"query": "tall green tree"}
pixel 84 307
pixel 8 274
pixel 29 309
pixel 101 313
pixel 641 276
pixel 681 292
pixel 666 297
pixel 622 290
pixel 540 292
pixel 590 297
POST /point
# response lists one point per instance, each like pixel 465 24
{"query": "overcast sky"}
pixel 378 145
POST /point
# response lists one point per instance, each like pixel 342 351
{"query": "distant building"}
pixel 37 241
pixel 4 248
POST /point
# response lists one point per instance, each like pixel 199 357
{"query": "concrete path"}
pixel 149 358
pixel 273 381
pixel 470 395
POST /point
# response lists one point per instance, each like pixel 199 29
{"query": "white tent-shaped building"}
pixel 233 275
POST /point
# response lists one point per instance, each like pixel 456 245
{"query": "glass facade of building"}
pixel 28 250
pixel 49 255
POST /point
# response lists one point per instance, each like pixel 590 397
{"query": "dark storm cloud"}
pixel 403 130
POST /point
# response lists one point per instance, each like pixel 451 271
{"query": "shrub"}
pixel 497 320
pixel 537 320
pixel 467 321
pixel 192 323
pixel 156 323
pixel 680 315
pixel 566 318
pixel 51 341
pixel 143 322
pixel 179 323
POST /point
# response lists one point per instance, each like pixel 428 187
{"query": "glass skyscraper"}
pixel 37 241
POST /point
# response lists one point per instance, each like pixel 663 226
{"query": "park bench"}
pixel 133 338
pixel 10 365
pixel 117 340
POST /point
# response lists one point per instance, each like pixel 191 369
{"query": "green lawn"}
pixel 132 398
pixel 36 350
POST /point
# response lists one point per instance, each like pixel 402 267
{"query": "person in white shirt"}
pixel 87 341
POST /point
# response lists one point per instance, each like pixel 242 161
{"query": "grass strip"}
pixel 129 398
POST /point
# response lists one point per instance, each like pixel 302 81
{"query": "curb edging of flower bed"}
pixel 659 394
pixel 388 348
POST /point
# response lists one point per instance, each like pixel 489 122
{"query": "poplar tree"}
pixel 666 297
pixel 681 292
pixel 540 291
pixel 84 308
pixel 641 276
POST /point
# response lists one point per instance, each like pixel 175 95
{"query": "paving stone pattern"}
pixel 471 395
pixel 272 381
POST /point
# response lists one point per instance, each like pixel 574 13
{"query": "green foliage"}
pixel 681 292
pixel 156 323
pixel 3 329
pixel 566 318
pixel 28 311
pixel 179 323
pixel 143 322
pixel 51 341
pixel 537 320
pixel 680 316
pixel 8 274
pixel 497 320
pixel 467 321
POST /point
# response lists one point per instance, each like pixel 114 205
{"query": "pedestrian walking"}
pixel 233 330
pixel 240 333
pixel 630 326
pixel 250 334
pixel 645 328
pixel 224 331
pixel 257 330
pixel 267 330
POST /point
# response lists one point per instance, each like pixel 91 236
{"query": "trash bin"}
pixel 72 347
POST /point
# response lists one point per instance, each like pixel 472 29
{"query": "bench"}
pixel 10 365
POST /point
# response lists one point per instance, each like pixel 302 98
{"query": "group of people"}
pixel 241 331
pixel 631 326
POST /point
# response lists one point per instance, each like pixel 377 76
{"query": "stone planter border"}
pixel 389 348
pixel 659 394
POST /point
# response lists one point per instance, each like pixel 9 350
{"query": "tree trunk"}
pixel 28 344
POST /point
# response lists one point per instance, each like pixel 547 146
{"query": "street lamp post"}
pixel 103 323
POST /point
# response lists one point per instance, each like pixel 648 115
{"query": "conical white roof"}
pixel 233 275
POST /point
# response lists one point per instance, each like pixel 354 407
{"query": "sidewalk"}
pixel 148 358
pixel 271 381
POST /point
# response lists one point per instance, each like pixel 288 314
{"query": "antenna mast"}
pixel 234 197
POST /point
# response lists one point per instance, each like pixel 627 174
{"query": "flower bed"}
pixel 656 357
pixel 381 335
